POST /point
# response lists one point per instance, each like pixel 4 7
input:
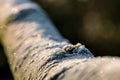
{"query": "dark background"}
pixel 5 73
pixel 94 23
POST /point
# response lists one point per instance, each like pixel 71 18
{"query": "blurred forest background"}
pixel 94 23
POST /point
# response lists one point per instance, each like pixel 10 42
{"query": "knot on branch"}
pixel 78 50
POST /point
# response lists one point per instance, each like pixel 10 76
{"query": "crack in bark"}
pixel 48 69
pixel 55 77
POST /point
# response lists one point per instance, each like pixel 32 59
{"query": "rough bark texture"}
pixel 33 48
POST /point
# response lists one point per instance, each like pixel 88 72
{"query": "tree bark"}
pixel 34 48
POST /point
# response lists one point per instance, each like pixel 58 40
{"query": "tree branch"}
pixel 35 49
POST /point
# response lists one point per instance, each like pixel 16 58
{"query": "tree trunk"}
pixel 36 51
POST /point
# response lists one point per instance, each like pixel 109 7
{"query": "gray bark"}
pixel 33 48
